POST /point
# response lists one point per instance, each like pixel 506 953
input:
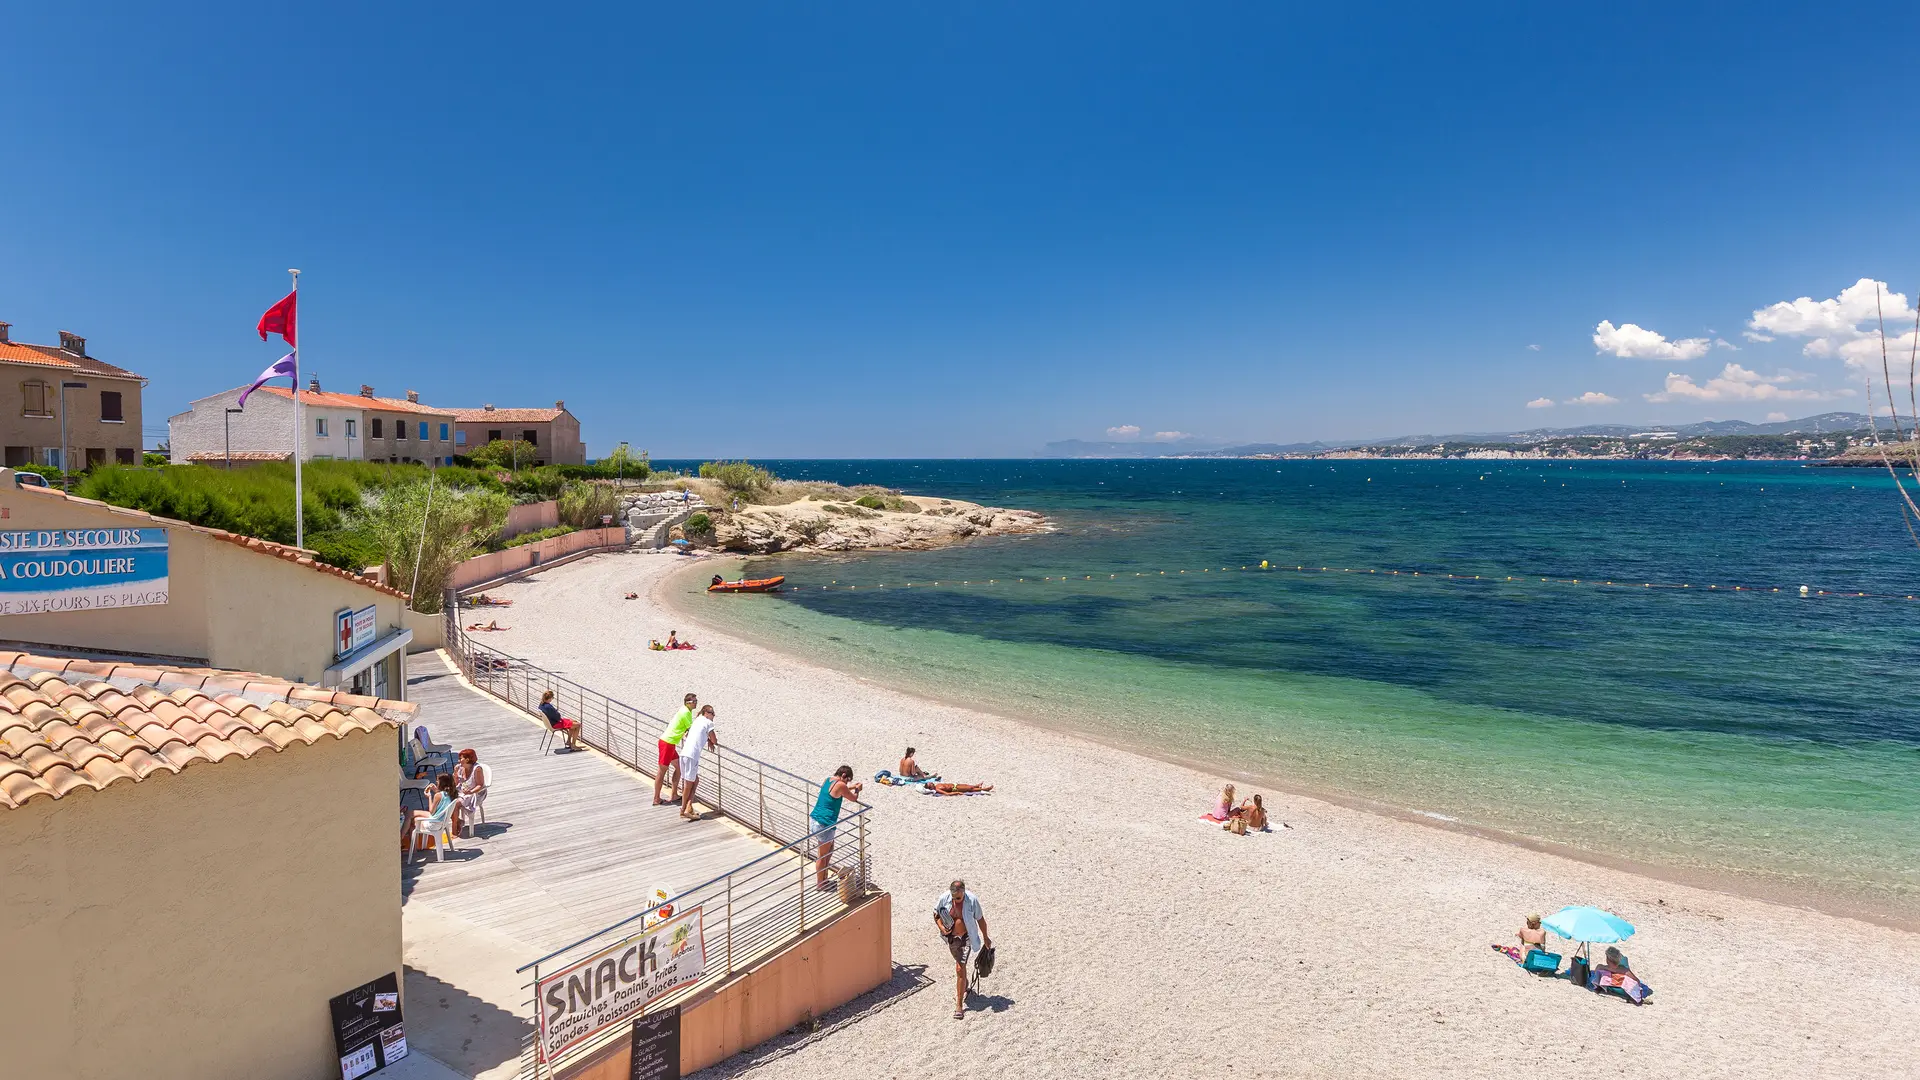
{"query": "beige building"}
pixel 79 575
pixel 195 863
pixel 352 427
pixel 554 433
pixel 101 403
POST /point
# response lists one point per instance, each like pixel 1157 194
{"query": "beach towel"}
pixel 1209 816
pixel 1619 982
pixel 890 780
pixel 1513 954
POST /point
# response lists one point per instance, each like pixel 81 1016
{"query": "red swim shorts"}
pixel 668 753
pixel 562 725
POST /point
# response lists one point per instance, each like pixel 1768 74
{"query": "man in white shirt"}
pixel 963 927
pixel 693 753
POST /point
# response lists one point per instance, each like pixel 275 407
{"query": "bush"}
pixel 348 549
pixel 48 471
pixel 740 478
pixel 583 505
pixel 154 461
pixel 697 525
pixel 871 502
pixel 507 454
pixel 538 535
pixel 536 485
pixel 424 541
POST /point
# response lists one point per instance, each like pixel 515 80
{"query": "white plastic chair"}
pixel 435 827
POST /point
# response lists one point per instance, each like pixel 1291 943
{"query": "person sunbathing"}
pixel 1254 813
pixel 1614 974
pixel 958 789
pixel 493 624
pixel 1224 809
pixel 910 769
pixel 1531 936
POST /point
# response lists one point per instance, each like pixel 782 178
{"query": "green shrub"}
pixel 697 525
pixel 47 471
pixel 538 535
pixel 871 502
pixel 154 461
pixel 507 454
pixel 740 478
pixel 348 549
pixel 536 485
pixel 583 505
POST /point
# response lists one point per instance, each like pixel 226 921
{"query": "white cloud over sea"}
pixel 1593 397
pixel 1124 431
pixel 1540 403
pixel 1638 343
pixel 1846 326
pixel 1737 383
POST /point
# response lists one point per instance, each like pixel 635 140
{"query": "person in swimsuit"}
pixel 958 789
pixel 909 768
pixel 1531 936
pixel 1255 813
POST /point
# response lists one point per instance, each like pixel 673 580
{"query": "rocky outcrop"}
pixel 816 524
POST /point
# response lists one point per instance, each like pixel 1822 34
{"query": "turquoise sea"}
pixel 1752 739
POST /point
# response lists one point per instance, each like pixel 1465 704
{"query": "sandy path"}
pixel 1138 941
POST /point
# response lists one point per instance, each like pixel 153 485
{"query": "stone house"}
pixel 554 433
pixel 101 403
pixel 352 427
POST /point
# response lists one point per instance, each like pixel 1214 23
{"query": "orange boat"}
pixel 770 584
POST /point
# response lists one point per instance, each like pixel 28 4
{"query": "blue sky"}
pixel 934 230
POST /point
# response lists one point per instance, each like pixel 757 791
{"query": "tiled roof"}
pixel 505 416
pixel 287 552
pixel 71 724
pixel 331 400
pixel 19 352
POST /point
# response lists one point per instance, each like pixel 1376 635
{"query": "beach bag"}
pixel 983 963
pixel 1238 826
pixel 1577 971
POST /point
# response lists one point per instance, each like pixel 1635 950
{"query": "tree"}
pixel 420 544
pixel 626 464
pixel 507 454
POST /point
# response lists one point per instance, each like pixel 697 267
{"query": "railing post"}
pixel 862 880
pixel 761 768
pixel 729 924
pixel 803 889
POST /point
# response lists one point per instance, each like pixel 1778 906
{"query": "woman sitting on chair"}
pixel 470 780
pixel 443 796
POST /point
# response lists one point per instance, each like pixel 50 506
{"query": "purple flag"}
pixel 282 369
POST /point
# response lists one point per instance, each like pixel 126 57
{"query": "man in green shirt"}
pixel 670 749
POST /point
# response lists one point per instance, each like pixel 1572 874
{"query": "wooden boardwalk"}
pixel 572 841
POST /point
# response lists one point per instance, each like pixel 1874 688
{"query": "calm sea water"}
pixel 1757 738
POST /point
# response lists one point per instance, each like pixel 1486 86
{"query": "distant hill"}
pixel 1080 448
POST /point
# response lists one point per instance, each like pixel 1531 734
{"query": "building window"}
pixel 352 428
pixel 400 430
pixel 96 455
pixel 18 456
pixel 375 427
pixel 493 435
pixel 110 407
pixel 532 437
pixel 423 431
pixel 320 426
pixel 123 456
pixel 459 438
pixel 37 398
pixel 443 433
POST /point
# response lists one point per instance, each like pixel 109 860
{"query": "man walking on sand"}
pixel 670 750
pixel 963 927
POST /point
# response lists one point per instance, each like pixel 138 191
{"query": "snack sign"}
pixel 617 982
pixel 45 570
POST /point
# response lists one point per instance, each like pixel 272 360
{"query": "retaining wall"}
pixel 498 564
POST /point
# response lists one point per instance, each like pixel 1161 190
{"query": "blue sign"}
pixel 44 570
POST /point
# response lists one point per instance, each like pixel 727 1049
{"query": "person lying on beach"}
pixel 910 769
pixel 1531 936
pixel 633 596
pixel 939 788
pixel 1613 974
pixel 493 624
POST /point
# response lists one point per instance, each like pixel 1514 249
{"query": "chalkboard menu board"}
pixel 656 1046
pixel 366 1027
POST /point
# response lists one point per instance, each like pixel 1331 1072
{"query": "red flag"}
pixel 279 319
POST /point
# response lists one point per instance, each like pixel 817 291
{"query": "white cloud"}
pixel 1170 436
pixel 1593 397
pixel 1124 431
pixel 1535 348
pixel 1736 383
pixel 1638 343
pixel 1540 403
pixel 1723 343
pixel 1846 326
pixel 1775 417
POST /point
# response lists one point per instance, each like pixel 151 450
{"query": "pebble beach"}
pixel 1137 940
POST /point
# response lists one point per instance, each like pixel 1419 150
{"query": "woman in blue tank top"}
pixel 826 817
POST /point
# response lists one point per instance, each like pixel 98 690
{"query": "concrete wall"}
pixel 429 631
pixel 267 425
pixel 227 606
pixel 498 564
pixel 194 926
pixel 531 517
pixel 85 429
pixel 829 968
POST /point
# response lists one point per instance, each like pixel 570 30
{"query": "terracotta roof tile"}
pixel 288 552
pixel 20 352
pixel 67 725
pixel 505 416
pixel 330 399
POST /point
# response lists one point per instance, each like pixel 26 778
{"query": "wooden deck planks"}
pixel 572 842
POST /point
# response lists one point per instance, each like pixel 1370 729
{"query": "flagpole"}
pixel 299 505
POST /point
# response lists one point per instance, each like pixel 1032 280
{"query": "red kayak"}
pixel 752 585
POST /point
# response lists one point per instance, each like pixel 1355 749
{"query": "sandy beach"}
pixel 1138 940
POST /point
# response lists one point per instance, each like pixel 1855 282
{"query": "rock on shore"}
pixel 818 524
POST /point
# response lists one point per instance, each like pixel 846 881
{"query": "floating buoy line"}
pixel 1266 566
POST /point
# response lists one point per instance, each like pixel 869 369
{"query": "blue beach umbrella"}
pixel 682 543
pixel 1588 924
